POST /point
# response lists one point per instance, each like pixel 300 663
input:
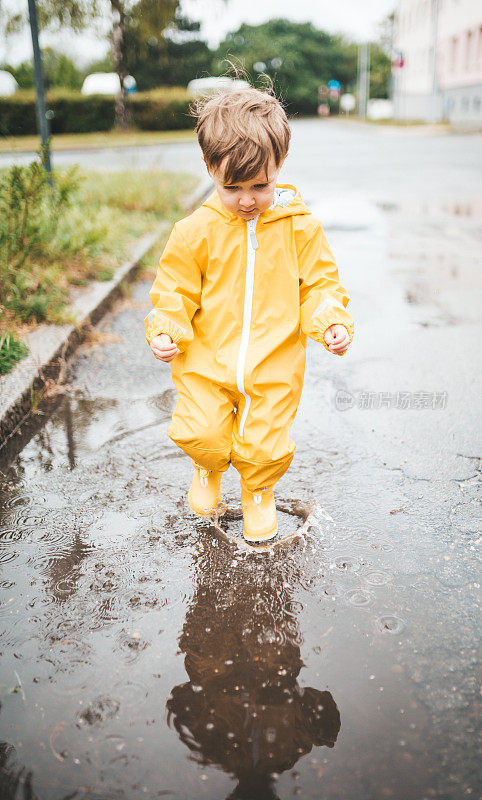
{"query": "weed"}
pixel 11 351
pixel 94 337
pixel 36 397
pixel 105 274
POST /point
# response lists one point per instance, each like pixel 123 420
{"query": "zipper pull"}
pixel 252 234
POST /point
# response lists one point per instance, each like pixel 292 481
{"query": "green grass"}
pixel 89 141
pixel 12 350
pixel 105 274
pixel 81 230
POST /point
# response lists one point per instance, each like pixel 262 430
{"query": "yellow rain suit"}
pixel 239 297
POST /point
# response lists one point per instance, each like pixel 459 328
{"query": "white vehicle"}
pixel 380 109
pixel 107 83
pixel 347 102
pixel 212 85
pixel 8 84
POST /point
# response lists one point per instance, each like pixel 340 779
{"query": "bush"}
pixel 160 109
pixel 32 208
pixel 17 114
pixel 30 211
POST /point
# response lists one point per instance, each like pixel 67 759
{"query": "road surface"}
pixel 143 657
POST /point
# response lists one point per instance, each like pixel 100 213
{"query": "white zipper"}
pixel 252 246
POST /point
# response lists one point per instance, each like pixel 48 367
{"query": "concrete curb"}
pixel 50 345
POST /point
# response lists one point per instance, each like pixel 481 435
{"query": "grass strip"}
pixel 54 239
pixel 95 140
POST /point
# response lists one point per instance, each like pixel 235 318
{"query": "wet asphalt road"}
pixel 144 657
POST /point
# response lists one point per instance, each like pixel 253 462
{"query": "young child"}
pixel 241 284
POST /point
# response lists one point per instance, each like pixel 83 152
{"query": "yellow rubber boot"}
pixel 259 514
pixel 205 491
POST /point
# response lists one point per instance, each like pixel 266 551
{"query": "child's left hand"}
pixel 337 339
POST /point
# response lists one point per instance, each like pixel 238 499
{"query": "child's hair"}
pixel 244 126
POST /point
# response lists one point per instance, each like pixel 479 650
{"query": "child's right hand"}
pixel 164 348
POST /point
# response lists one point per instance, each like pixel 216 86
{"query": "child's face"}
pixel 247 199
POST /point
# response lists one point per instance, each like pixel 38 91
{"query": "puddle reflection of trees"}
pixel 243 708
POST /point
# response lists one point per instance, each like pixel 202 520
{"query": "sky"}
pixel 357 19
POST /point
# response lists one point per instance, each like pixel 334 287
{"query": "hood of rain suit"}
pixel 287 203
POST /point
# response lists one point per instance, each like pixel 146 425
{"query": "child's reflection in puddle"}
pixel 242 708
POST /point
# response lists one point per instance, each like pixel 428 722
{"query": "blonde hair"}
pixel 244 126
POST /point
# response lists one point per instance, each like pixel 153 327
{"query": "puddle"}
pixel 147 653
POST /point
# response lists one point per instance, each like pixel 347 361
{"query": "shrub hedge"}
pixel 71 112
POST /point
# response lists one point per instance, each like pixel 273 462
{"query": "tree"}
pixel 23 74
pixel 297 56
pixel 10 21
pixel 380 72
pixel 59 70
pixel 171 59
pixel 150 16
pixel 386 32
pixel 386 37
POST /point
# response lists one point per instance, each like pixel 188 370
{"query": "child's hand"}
pixel 164 348
pixel 337 339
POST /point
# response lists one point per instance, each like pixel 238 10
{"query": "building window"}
pixel 477 104
pixel 464 105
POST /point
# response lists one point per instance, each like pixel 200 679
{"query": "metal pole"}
pixel 367 76
pixel 362 81
pixel 42 121
pixel 391 89
pixel 433 101
pixel 358 81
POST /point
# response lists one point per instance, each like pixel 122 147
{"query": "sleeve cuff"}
pixel 322 325
pixel 160 325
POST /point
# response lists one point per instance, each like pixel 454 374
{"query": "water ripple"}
pixel 389 624
pixel 347 563
pixel 377 577
pixel 22 500
pixel 359 597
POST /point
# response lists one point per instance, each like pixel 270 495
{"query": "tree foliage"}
pixel 160 47
pixel 173 57
pixel 149 16
pixel 308 58
pixel 380 72
pixel 59 70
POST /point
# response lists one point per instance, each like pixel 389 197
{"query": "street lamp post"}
pixel 363 78
pixel 434 112
pixel 42 121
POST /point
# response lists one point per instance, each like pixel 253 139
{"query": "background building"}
pixel 439 44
